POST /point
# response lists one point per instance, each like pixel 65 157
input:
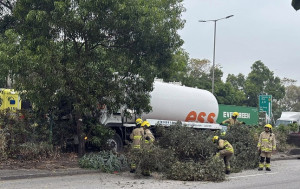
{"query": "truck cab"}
pixel 287 118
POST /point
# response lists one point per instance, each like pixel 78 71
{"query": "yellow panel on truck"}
pixel 10 99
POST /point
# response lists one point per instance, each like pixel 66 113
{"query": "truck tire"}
pixel 115 143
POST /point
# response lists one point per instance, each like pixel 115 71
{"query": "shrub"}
pixel 187 143
pixel 22 133
pixel 281 134
pixel 210 170
pixel 191 153
pixel 98 136
pixel 106 161
pixel 3 144
pixel 30 151
pixel 244 141
pixel 151 158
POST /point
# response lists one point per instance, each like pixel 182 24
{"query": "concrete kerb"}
pixel 13 174
pixel 291 154
pixel 284 157
pixel 6 174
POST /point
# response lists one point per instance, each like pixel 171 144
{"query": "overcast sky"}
pixel 266 30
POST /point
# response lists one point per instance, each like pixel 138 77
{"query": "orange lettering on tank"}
pixel 191 116
pixel 210 117
pixel 201 117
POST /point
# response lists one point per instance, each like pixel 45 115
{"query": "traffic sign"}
pixel 265 104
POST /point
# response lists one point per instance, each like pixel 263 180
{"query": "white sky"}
pixel 266 30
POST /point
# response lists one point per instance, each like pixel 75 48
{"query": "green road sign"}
pixel 265 104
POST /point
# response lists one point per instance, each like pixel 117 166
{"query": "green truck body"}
pixel 247 114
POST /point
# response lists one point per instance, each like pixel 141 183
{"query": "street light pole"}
pixel 214 54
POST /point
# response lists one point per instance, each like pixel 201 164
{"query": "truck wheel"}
pixel 115 143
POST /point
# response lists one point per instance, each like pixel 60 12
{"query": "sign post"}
pixel 265 105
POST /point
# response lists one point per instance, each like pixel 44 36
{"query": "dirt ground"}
pixel 62 161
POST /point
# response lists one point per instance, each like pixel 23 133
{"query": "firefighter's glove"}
pixel 147 138
pixel 243 123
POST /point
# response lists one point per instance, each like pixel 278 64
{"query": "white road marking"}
pixel 253 175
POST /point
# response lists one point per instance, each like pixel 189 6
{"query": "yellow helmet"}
pixel 268 126
pixel 215 138
pixel 145 123
pixel 138 121
pixel 235 114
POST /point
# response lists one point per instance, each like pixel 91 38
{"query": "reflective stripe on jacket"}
pixel 266 142
pixel 224 144
pixel 149 134
pixel 137 136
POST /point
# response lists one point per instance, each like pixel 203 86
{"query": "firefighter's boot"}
pixel 132 168
pixel 268 166
pixel 261 166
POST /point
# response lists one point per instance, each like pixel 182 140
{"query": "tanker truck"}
pixel 170 103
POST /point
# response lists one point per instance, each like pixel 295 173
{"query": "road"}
pixel 284 174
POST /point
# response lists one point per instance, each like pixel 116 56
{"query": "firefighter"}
pixel 232 121
pixel 266 145
pixel 137 137
pixel 147 143
pixel 148 136
pixel 225 151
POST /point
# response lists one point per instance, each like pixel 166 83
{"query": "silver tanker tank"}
pixel 173 102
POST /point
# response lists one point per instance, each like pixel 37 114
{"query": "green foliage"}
pixel 187 143
pixel 196 171
pixel 101 52
pixel 227 94
pixel 283 129
pixel 197 74
pixel 24 134
pixel 183 153
pixel 260 81
pixel 3 144
pixel 151 158
pixel 31 151
pixel 291 101
pixel 106 161
pixel 237 82
pixel 296 4
pixel 281 132
pixel 244 141
pixel 178 69
pixel 98 135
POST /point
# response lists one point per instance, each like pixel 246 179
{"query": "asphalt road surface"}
pixel 285 174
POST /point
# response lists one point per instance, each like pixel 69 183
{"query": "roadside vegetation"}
pixel 183 153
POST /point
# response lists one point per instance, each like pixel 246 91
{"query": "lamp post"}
pixel 213 68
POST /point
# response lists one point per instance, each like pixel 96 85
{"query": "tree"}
pixel 238 82
pixel 227 94
pixel 262 81
pixel 287 81
pixel 88 53
pixel 178 68
pixel 296 4
pixel 291 100
pixel 197 74
pixel 7 21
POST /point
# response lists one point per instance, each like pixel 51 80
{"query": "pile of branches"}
pixel 183 153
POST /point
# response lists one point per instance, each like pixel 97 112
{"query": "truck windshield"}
pixel 283 122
